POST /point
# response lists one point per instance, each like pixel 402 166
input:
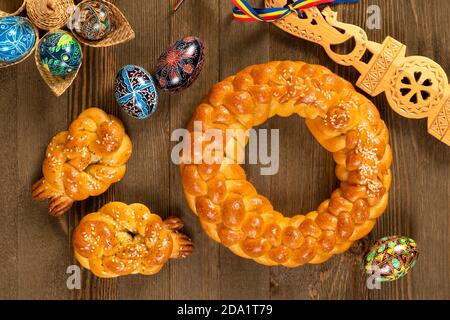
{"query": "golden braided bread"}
pixel 120 240
pixel 343 121
pixel 83 161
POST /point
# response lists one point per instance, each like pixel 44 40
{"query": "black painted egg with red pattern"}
pixel 180 65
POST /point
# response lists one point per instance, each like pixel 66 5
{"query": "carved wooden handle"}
pixel 416 87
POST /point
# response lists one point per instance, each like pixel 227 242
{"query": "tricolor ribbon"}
pixel 178 5
pixel 244 12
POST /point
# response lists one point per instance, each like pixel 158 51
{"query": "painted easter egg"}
pixel 135 92
pixel 390 258
pixel 94 20
pixel 60 53
pixel 180 64
pixel 17 38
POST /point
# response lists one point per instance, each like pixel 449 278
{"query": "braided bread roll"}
pixel 343 121
pixel 120 240
pixel 83 161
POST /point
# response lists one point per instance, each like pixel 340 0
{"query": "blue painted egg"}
pixel 180 65
pixel 17 38
pixel 135 92
pixel 60 53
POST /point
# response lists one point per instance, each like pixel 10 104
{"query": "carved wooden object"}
pixel 416 87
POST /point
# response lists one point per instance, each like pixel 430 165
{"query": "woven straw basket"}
pixel 57 84
pixel 121 29
pixel 54 15
pixel 6 64
pixel 49 14
pixel 18 11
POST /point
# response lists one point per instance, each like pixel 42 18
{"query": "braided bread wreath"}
pixel 343 121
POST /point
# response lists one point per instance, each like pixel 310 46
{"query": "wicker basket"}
pixel 121 32
pixel 18 11
pixel 58 85
pixel 49 14
pixel 8 64
pixel 53 15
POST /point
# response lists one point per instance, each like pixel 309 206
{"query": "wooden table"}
pixel 35 249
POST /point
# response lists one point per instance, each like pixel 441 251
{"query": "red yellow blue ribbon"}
pixel 178 5
pixel 244 12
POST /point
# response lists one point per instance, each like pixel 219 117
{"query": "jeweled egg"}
pixel 391 258
pixel 60 53
pixel 94 20
pixel 180 65
pixel 17 38
pixel 135 92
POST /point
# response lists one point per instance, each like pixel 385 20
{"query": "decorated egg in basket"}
pixel 135 92
pixel 60 53
pixel 179 66
pixel 93 20
pixel 390 258
pixel 17 38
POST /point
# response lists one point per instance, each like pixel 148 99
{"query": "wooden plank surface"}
pixel 35 249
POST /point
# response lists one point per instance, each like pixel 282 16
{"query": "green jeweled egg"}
pixel 390 258
pixel 60 53
pixel 95 21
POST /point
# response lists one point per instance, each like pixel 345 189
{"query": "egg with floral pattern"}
pixel 93 20
pixel 135 92
pixel 60 53
pixel 180 65
pixel 17 38
pixel 391 258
